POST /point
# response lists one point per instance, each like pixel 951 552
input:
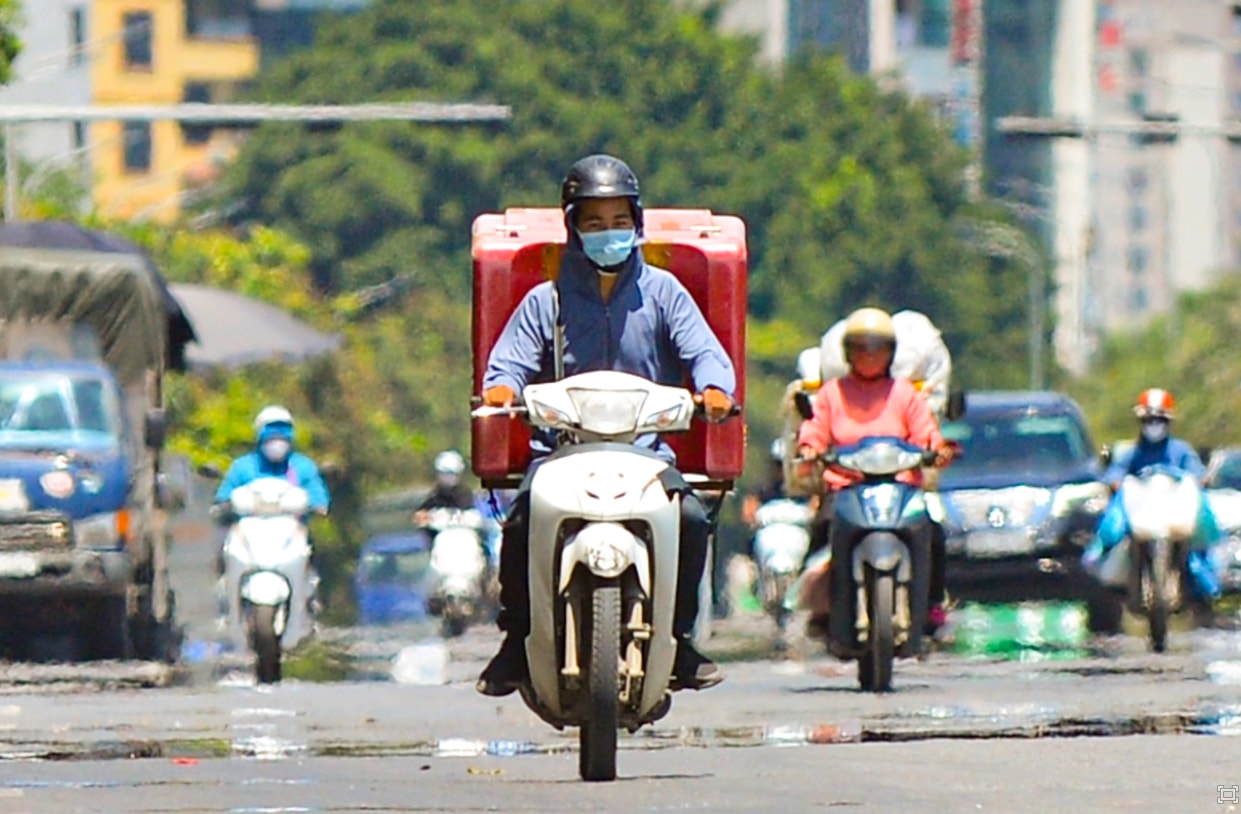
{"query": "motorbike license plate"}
pixel 998 544
pixel 18 564
pixel 13 495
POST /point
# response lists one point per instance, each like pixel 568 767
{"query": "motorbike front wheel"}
pixel 1155 569
pixel 266 644
pixel 875 665
pixel 598 734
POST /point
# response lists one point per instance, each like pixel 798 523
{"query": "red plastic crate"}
pixel 520 248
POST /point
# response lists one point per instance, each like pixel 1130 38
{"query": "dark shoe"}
pixel 508 670
pixel 692 670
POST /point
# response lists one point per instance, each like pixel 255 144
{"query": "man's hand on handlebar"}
pixel 716 404
pixel 500 395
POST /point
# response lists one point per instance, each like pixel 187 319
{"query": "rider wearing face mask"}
pixel 273 456
pixel 1155 409
pixel 869 402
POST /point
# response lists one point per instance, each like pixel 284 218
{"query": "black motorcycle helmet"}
pixel 600 176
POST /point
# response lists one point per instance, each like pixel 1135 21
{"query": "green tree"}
pixel 10 45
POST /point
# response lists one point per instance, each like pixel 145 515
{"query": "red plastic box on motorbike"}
pixel 520 248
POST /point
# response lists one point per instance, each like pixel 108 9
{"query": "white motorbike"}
pixel 604 542
pixel 269 583
pixel 1162 505
pixel 460 571
pixel 780 545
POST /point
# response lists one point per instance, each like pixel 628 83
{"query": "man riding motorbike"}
pixel 609 310
pixel 448 492
pixel 273 457
pixel 1155 409
pixel 869 402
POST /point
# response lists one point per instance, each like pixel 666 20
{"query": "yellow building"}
pixel 153 52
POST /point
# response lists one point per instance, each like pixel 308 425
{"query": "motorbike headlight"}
pixel 1087 497
pixel 607 412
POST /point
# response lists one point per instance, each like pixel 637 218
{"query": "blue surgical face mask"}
pixel 610 247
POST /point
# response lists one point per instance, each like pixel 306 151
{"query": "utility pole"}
pixel 237 116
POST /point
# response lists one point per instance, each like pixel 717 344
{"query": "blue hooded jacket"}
pixel 650 327
pixel 299 469
pixel 1170 451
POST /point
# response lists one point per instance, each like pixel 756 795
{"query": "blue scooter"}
pixel 880 551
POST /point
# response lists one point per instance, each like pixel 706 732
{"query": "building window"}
pixel 1139 62
pixel 1139 258
pixel 1137 218
pixel 218 19
pixel 79 135
pixel 137 146
pixel 77 36
pixel 1139 300
pixel 138 40
pixel 1138 180
pixel 199 93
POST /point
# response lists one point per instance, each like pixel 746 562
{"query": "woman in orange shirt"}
pixel 870 402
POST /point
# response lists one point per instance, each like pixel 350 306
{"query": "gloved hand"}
pixel 946 453
pixel 222 513
pixel 717 403
pixel 501 395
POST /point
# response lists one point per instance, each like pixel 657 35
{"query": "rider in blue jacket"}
pixel 1155 409
pixel 615 312
pixel 273 457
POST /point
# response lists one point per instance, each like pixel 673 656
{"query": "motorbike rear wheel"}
pixel 266 644
pixel 598 734
pixel 875 664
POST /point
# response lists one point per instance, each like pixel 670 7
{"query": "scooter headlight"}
pixel 608 412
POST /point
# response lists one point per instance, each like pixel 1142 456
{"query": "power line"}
pixel 248 114
pixel 242 115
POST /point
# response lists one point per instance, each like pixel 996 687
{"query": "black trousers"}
pixel 514 615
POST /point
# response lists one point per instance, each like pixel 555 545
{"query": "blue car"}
pixel 390 583
pixel 1022 501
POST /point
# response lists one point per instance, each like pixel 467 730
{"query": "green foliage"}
pixel 10 45
pixel 1188 352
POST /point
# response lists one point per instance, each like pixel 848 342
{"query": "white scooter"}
pixel 268 580
pixel 460 572
pixel 604 542
pixel 1162 505
pixel 780 545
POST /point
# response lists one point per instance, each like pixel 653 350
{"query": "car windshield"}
pixel 40 410
pixel 1226 474
pixel 394 568
pixel 1018 443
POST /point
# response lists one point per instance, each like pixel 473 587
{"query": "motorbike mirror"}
pixel 956 405
pixel 801 400
pixel 209 471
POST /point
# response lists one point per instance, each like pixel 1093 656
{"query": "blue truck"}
pixel 84 347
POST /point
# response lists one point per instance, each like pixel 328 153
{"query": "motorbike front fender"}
pixel 265 588
pixel 883 551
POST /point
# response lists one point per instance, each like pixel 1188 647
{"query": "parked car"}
pixel 1022 501
pixel 1223 491
pixel 391 579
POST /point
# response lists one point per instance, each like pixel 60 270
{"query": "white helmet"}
pixel 272 414
pixel 809 366
pixel 449 462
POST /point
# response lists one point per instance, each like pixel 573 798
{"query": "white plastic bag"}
pixel 921 356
